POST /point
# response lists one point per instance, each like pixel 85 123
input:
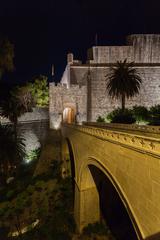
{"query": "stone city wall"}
pixel 37 114
pixel 146 47
pixel 148 96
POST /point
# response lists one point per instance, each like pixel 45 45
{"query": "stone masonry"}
pixel 83 86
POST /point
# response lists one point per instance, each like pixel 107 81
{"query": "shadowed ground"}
pixel 51 151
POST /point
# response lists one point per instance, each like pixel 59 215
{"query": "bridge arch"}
pixel 68 159
pixel 87 181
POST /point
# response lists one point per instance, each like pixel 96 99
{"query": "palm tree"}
pixel 11 152
pixel 123 81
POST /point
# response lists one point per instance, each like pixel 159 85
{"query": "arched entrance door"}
pixel 68 115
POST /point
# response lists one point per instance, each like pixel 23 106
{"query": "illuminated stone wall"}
pixel 38 114
pixel 149 93
pixel 144 50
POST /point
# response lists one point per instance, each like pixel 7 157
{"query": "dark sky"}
pixel 43 32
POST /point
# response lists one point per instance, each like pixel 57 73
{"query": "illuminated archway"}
pixel 68 115
pixel 93 175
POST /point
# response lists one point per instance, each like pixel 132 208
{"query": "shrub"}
pixel 95 228
pixel 30 189
pixel 100 119
pixel 140 113
pixel 39 185
pixel 121 116
pixel 154 115
pixel 10 194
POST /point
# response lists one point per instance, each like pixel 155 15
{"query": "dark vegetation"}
pixel 138 114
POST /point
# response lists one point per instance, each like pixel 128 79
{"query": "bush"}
pixel 30 189
pixel 100 119
pixel 154 113
pixel 10 194
pixel 121 116
pixel 95 228
pixel 39 185
pixel 140 113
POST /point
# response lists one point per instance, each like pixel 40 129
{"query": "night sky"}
pixel 43 32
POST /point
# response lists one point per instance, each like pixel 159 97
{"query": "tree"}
pixel 123 81
pixel 24 97
pixel 6 56
pixel 12 152
pixel 39 90
pixel 19 101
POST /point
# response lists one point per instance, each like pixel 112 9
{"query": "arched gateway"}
pixel 68 115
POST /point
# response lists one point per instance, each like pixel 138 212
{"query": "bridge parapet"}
pixel 141 143
pixel 133 127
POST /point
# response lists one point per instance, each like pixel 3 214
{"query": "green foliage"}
pixel 30 189
pixel 155 111
pixel 96 228
pixel 10 194
pixel 140 113
pixel 33 155
pixel 154 115
pixel 39 185
pixel 12 151
pixel 100 119
pixel 121 116
pixel 39 90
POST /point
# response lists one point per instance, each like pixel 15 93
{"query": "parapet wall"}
pixel 112 54
pixel 141 48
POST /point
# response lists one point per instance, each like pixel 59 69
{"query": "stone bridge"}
pixel 131 162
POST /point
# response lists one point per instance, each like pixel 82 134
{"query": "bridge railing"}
pixel 146 144
pixel 133 127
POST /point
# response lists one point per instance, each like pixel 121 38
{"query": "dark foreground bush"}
pixel 154 113
pixel 100 119
pixel 121 116
pixel 97 229
pixel 140 113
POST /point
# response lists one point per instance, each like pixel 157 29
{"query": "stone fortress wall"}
pixel 144 50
